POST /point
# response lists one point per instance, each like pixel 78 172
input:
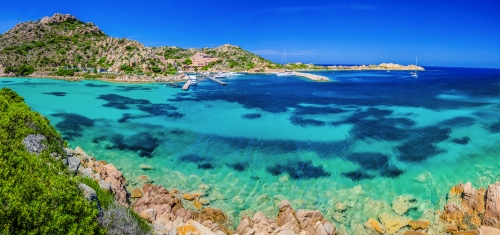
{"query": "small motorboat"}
pixel 173 85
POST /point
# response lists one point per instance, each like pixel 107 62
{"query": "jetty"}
pixel 313 77
pixel 186 85
pixel 216 80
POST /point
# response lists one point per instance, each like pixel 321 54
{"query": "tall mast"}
pixel 283 57
pixel 416 64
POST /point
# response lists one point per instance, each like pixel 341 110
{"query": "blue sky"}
pixel 440 33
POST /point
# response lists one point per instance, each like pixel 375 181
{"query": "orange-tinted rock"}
pixel 456 190
pixel 197 204
pixel 136 193
pixel 198 194
pixel 393 223
pixel 216 216
pixel 212 214
pixel 188 196
pixel 186 230
pixel 452 212
pixel 374 225
pixel 414 233
pixel 451 228
pixel 418 224
pixel 470 232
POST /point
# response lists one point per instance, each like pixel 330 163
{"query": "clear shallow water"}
pixel 361 140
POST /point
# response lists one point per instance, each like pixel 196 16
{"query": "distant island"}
pixel 62 46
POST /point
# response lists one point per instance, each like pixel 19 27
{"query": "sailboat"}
pixel 285 72
pixel 415 74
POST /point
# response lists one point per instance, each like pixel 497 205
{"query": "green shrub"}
pixel 187 61
pixel 65 72
pixel 37 193
pixel 105 198
pixel 156 69
pixel 126 68
pixel 117 219
pixel 22 70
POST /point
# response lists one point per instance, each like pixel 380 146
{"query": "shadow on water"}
pixel 298 170
pixel 96 85
pixel 56 93
pixel 72 124
pixel 143 143
pixel 200 161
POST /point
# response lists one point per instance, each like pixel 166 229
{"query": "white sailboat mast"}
pixel 283 57
pixel 416 64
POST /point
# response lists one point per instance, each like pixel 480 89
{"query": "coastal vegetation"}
pixel 21 70
pixel 38 193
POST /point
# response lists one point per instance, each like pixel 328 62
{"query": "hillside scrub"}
pixel 37 194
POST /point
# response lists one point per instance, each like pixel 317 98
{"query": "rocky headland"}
pixel 64 47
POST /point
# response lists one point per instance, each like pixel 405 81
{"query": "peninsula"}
pixel 64 47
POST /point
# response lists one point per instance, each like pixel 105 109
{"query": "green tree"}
pixel 187 61
pixel 156 69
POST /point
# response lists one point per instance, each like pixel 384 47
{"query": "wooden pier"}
pixel 186 85
pixel 217 80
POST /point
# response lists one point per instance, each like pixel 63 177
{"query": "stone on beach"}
pixel 418 224
pixel 393 223
pixel 204 201
pixel 145 167
pixel 136 193
pixel 403 203
pixel 374 225
pixel 197 204
pixel 188 196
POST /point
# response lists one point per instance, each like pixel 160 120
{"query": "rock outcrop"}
pixel 287 222
pixel 470 209
pixel 108 177
pixel 492 210
pixel 34 143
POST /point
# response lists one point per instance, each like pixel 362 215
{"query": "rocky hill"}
pixel 63 41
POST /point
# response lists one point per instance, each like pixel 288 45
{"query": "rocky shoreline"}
pixel 468 210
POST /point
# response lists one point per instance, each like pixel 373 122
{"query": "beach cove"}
pixel 347 148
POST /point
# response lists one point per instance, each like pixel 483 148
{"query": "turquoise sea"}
pixel 347 147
